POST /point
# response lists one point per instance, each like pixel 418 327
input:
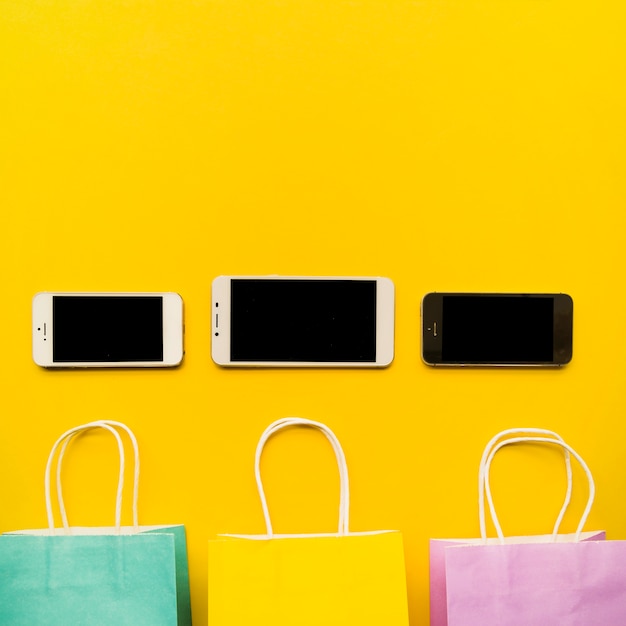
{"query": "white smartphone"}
pixel 302 321
pixel 107 329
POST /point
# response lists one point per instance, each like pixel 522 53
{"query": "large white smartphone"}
pixel 107 329
pixel 302 321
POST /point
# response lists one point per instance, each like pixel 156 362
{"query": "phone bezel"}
pixel 42 322
pixel 221 315
pixel 433 331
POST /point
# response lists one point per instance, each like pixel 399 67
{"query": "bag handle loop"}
pixel 542 440
pixel 344 498
pixel 481 474
pixel 63 441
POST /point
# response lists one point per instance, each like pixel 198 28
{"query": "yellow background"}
pixel 447 144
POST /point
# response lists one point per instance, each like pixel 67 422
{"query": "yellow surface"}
pixel 447 144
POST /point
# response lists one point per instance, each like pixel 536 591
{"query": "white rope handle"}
pixel 481 474
pixel 135 446
pixel 344 498
pixel 557 442
pixel 120 483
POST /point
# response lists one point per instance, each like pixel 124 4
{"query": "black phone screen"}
pixel 311 320
pixel 497 329
pixel 107 329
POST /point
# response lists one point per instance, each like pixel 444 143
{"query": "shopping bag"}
pixel 438 591
pixel 554 580
pixel 120 575
pixel 308 579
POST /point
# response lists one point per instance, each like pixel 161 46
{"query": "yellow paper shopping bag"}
pixel 308 579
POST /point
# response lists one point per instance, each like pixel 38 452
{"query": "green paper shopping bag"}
pixel 82 576
pixel 326 579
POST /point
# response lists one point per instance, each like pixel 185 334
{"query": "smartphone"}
pixel 497 329
pixel 298 321
pixel 107 329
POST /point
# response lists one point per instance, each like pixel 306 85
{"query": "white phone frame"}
pixel 42 330
pixel 221 312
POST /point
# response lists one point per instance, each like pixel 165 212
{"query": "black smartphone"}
pixel 497 329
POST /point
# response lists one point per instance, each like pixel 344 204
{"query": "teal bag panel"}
pixel 88 580
pixel 183 593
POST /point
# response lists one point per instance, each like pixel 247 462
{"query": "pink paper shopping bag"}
pixel 573 579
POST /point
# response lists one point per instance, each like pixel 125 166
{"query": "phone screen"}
pixel 497 329
pixel 107 329
pixel 303 320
